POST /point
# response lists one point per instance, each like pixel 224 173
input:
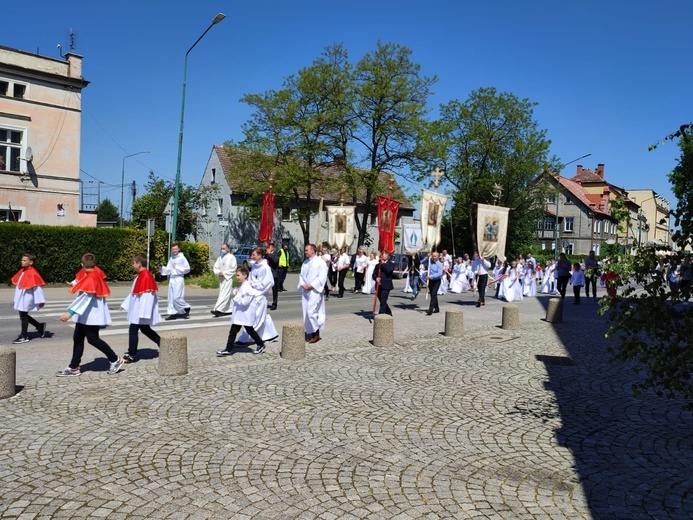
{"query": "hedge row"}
pixel 59 250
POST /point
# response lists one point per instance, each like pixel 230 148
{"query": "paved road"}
pixel 530 423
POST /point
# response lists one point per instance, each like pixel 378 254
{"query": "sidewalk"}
pixel 529 423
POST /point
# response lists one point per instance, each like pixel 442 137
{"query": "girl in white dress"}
pixel 530 285
pixel 547 279
pixel 459 283
pixel 369 284
pixel 512 286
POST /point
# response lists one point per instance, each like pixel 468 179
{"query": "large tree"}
pixel 153 205
pixel 490 139
pixel 649 318
pixel 106 211
pixel 389 116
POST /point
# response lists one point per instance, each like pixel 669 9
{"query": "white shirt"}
pixel 342 261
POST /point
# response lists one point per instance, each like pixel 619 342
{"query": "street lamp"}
pixel 122 183
pixel 174 219
pixel 558 192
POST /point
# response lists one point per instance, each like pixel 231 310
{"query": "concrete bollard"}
pixel 384 331
pixel 173 354
pixel 511 317
pixel 554 312
pixel 8 372
pixel 293 341
pixel 454 323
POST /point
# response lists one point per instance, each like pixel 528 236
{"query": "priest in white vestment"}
pixel 311 283
pixel 225 269
pixel 176 269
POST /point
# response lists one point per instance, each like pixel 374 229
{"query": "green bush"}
pixel 59 250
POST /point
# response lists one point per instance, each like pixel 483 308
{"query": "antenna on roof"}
pixel 73 40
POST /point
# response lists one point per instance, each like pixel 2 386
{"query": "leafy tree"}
pixel 153 205
pixel 106 211
pixel 652 325
pixel 389 113
pixel 490 139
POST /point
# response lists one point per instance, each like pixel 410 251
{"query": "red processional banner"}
pixel 387 220
pixel 267 218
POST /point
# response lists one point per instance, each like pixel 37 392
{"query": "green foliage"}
pixel 107 212
pixel 652 325
pixel 206 280
pixel 59 250
pixel 153 205
pixel 490 139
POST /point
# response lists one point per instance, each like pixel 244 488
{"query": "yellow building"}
pixel 654 228
pixel 40 126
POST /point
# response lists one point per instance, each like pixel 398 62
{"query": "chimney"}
pixel 339 161
pixel 74 65
pixel 579 170
pixel 600 170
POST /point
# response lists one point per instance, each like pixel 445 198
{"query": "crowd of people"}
pixel 322 274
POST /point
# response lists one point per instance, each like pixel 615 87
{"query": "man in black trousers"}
pixel 480 267
pixel 435 274
pixel 383 275
pixel 272 256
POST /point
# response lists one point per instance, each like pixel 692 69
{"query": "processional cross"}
pixel 437 173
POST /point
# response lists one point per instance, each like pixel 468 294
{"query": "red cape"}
pixel 92 283
pixel 82 273
pixel 144 283
pixel 31 278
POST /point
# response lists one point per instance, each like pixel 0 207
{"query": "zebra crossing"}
pixel 200 317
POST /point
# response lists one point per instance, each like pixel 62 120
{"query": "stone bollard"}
pixel 511 317
pixel 454 323
pixel 554 312
pixel 384 331
pixel 293 341
pixel 8 372
pixel 173 354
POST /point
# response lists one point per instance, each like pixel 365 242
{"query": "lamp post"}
pixel 174 219
pixel 558 192
pixel 122 182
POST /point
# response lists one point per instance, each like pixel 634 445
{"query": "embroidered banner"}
pixel 340 225
pixel 387 221
pixel 411 238
pixel 491 230
pixel 432 210
pixel 267 218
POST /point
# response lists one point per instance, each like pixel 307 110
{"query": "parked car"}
pixel 242 255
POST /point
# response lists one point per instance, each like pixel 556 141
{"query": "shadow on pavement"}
pixel 633 454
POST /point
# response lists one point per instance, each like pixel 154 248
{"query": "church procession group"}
pixel 245 293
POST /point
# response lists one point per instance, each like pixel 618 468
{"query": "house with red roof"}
pixel 232 213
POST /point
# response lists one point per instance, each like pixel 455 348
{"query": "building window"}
pixel 286 214
pixel 19 90
pixel 567 200
pixel 569 249
pixel 10 149
pixel 10 215
pixel 543 246
pixel 4 87
pixel 551 199
pixel 204 210
pixel 214 176
pixel 596 249
pixel 220 206
pixel 569 224
pixel 549 224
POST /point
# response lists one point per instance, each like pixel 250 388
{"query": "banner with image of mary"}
pixel 491 230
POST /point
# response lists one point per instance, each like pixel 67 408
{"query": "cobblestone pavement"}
pixel 529 423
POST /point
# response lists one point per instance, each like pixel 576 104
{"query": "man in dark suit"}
pixel 383 275
pixel 272 256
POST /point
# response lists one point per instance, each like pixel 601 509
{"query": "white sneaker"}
pixel 116 366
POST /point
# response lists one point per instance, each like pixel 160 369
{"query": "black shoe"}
pixel 259 349
pixel 41 330
pixel 217 313
pixel 428 313
pixel 129 358
pixel 187 311
pixel 340 296
pixel 171 317
pixel 272 307
pixel 20 339
pixel 478 304
pixel 436 311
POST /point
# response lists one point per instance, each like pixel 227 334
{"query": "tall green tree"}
pixel 490 139
pixel 106 211
pixel 389 116
pixel 153 203
pixel 651 324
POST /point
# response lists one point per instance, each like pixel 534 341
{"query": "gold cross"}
pixel 437 173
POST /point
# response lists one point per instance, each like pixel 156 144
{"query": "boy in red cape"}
pixel 28 296
pixel 90 312
pixel 142 307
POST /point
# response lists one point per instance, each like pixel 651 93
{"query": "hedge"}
pixel 59 250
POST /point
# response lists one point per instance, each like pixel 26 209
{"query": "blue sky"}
pixel 610 77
